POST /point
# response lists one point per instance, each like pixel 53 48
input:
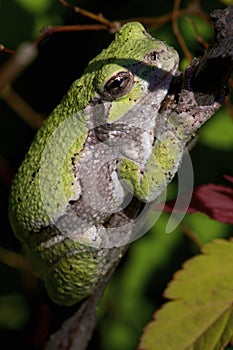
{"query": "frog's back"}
pixel 26 210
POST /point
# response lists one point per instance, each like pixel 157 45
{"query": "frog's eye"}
pixel 118 85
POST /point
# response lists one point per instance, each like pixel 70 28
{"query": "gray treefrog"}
pixel 113 144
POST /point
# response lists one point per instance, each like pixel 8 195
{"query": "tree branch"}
pixel 216 66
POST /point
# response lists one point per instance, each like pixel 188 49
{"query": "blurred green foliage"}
pixel 135 291
pixel 14 311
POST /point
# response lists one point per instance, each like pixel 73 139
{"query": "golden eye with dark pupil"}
pixel 118 85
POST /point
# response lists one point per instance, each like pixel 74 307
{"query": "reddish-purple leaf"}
pixel 216 201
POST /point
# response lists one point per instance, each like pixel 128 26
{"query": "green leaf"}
pixel 193 24
pixel 213 228
pixel 217 133
pixel 200 313
pixel 36 5
pixel 14 312
pixel 227 2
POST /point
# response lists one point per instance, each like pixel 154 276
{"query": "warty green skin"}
pixel 45 189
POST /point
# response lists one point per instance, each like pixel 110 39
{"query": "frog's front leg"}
pixel 176 129
pixel 148 181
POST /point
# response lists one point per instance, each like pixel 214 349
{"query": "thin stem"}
pixel 48 31
pixel 229 106
pixel 199 38
pixel 24 55
pixel 97 17
pixel 13 259
pixel 197 242
pixel 22 108
pixel 175 16
pixel 6 50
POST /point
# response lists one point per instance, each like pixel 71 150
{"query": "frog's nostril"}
pixel 151 57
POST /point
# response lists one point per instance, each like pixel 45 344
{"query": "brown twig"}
pixel 48 31
pixel 199 38
pixel 6 50
pixel 113 26
pixel 9 72
pixel 22 108
pixel 12 259
pixel 24 55
pixel 229 106
pixel 175 16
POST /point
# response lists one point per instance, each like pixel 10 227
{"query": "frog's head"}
pixel 134 64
